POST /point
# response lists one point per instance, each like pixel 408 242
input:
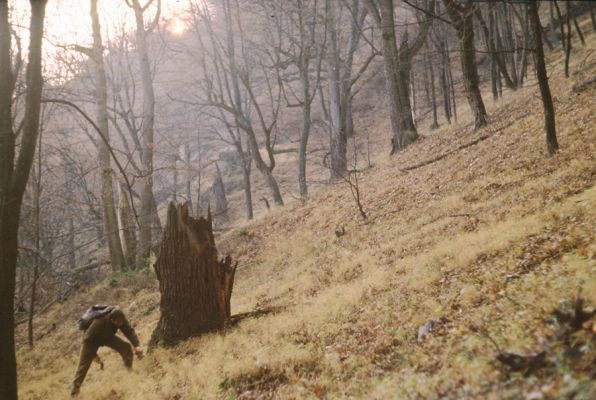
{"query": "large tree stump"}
pixel 195 286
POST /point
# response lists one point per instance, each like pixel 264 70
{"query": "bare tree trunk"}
pixel 338 138
pixel 452 88
pixel 37 187
pixel 338 146
pixel 464 26
pixel 508 35
pixel 578 30
pixel 306 111
pixel 561 28
pixel 552 16
pixel 488 35
pixel 14 176
pixel 107 191
pixel 568 46
pixel 435 123
pixel 195 286
pixel 148 206
pixel 129 236
pixel 187 161
pixel 246 167
pixel 549 111
pixel 444 80
pixel 218 191
pixel 349 115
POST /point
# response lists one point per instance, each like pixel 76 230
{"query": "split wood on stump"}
pixel 195 286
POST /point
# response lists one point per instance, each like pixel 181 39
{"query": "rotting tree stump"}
pixel 195 286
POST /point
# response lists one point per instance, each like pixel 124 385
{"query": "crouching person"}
pixel 102 332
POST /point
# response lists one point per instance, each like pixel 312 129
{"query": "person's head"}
pixel 117 317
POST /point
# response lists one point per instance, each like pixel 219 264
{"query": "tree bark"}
pixel 549 111
pixel 188 175
pixel 337 105
pixel 435 123
pixel 579 31
pixel 129 236
pixel 218 191
pixel 37 188
pixel 246 168
pixel 195 286
pixel 146 218
pixel 107 191
pixel 568 45
pixel 490 44
pixel 561 27
pixel 463 24
pixel 13 177
pixel 397 67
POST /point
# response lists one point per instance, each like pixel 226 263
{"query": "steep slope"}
pixel 487 241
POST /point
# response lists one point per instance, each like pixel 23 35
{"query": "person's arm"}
pixel 130 334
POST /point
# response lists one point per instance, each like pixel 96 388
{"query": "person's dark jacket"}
pixel 102 329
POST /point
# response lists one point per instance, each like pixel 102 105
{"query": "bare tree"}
pixel 147 199
pixel 230 85
pixel 101 97
pixel 549 111
pixel 461 16
pixel 397 63
pixel 14 176
pixel 296 23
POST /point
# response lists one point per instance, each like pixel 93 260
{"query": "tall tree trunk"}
pixel 435 123
pixel 452 90
pixel 561 28
pixel 444 81
pixel 195 286
pixel 488 34
pixel 464 26
pixel 246 167
pixel 306 121
pixel 338 146
pixel 552 16
pixel 129 236
pixel 189 176
pixel 338 138
pixel 508 35
pixel 107 190
pixel 568 45
pixel 579 31
pixel 218 191
pixel 549 111
pixel 36 223
pixel 148 207
pixel 14 176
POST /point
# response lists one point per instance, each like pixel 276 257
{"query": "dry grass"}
pixel 492 238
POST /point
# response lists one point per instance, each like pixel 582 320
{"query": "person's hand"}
pixel 139 351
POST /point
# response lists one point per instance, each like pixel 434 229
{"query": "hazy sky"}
pixel 68 21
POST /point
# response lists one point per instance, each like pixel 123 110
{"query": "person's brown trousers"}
pixel 89 352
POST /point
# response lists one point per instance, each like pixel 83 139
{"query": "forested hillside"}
pixel 404 218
